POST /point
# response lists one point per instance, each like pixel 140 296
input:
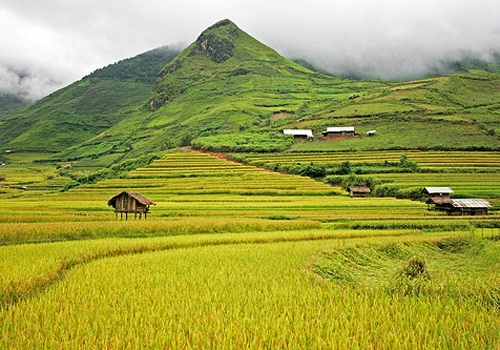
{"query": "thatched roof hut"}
pixel 130 202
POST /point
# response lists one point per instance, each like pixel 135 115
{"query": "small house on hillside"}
pixel 130 202
pixel 437 198
pixel 339 132
pixel 359 191
pixel 469 207
pixel 299 134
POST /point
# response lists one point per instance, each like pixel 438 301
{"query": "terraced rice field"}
pixel 470 174
pixel 237 257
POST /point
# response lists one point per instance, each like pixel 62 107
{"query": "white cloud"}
pixel 59 41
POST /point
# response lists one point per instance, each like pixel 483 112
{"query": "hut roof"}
pixel 470 203
pixel 298 132
pixel 137 196
pixel 340 129
pixel 437 190
pixel 360 189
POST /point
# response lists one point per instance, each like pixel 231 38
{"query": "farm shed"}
pixel 339 132
pixel 437 198
pixel 130 202
pixel 299 134
pixel 359 191
pixel 469 207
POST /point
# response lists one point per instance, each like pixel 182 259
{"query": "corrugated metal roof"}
pixel 340 129
pixel 437 190
pixel 470 203
pixel 298 132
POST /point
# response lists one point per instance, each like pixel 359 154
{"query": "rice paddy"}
pixel 236 256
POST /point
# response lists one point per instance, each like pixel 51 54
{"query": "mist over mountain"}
pixel 56 43
pixel 228 83
pixel 10 103
pixel 85 108
pixel 27 83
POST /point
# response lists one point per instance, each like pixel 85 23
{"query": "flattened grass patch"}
pixel 463 267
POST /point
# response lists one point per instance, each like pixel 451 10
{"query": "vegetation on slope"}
pixel 85 108
pixel 227 89
pixel 10 103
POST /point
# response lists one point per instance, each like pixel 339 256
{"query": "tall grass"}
pixel 236 296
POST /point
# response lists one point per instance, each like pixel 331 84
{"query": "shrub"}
pixel 311 170
pixel 407 164
pixel 387 191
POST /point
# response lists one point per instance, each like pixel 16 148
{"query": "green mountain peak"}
pixel 221 50
pixel 217 42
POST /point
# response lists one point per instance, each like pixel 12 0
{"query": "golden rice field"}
pixel 234 256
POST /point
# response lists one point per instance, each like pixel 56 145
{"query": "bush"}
pixel 311 170
pixel 352 180
pixel 387 191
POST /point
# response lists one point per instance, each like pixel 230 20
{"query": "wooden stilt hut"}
pixel 130 202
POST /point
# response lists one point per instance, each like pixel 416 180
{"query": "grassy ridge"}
pixel 85 108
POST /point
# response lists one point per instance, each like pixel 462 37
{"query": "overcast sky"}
pixel 46 44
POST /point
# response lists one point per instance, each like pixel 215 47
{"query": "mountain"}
pixel 224 82
pixel 85 108
pixel 10 103
pixel 471 63
pixel 227 85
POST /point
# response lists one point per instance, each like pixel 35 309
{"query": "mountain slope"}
pixel 225 82
pixel 228 83
pixel 10 103
pixel 84 109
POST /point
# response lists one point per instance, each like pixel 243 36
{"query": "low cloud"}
pixel 55 42
pixel 27 84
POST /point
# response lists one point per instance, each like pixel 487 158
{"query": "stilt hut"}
pixel 130 202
